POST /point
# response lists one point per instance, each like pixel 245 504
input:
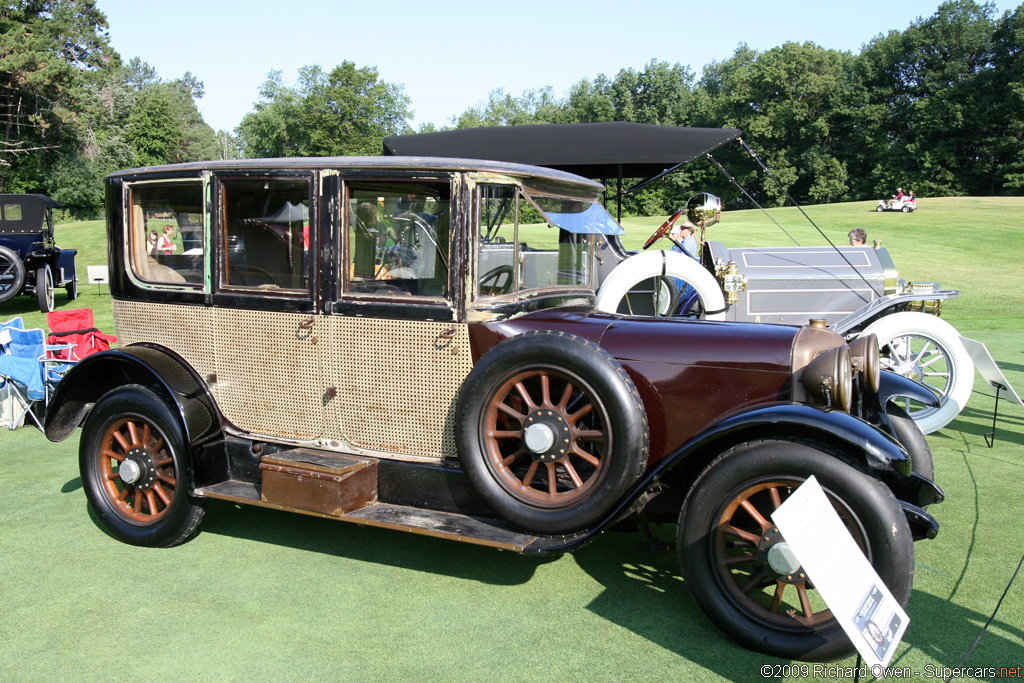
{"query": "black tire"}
pixel 152 505
pixel 72 289
pixel 44 288
pixel 551 460
pixel 752 472
pixel 905 209
pixel 910 435
pixel 12 274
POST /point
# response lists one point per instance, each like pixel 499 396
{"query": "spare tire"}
pixel 551 431
pixel 12 274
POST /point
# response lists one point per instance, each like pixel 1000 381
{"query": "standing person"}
pixel 858 236
pixel 164 245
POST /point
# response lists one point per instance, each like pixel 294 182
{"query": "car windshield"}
pixel 531 241
pixel 576 216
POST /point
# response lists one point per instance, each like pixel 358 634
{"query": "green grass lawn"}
pixel 266 595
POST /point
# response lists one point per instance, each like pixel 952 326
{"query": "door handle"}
pixel 308 323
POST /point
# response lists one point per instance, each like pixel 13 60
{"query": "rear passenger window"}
pixel 166 234
pixel 398 238
pixel 265 233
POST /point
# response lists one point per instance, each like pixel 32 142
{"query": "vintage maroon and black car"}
pixel 412 344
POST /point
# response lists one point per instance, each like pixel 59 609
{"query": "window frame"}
pixel 128 244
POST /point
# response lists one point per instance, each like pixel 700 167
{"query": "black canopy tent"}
pixel 615 149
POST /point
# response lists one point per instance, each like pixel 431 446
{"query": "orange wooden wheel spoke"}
pixel 137 503
pixel 157 446
pixel 776 497
pixel 755 580
pixel 151 502
pixel 545 390
pixel 738 559
pixel 521 388
pixel 742 533
pixel 573 474
pixel 164 462
pixel 586 456
pixel 511 412
pixel 805 600
pixel 581 412
pixel 512 458
pixel 112 476
pixel 133 433
pixel 121 441
pixel 123 494
pixel 780 587
pixel 753 512
pixel 107 453
pixel 566 395
pixel 162 494
pixel 552 478
pixel 530 472
pixel 166 478
pixel 502 434
pixel 590 435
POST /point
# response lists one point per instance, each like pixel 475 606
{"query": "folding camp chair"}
pixel 75 328
pixel 26 373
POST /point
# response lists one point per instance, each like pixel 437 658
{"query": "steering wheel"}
pixel 491 283
pixel 665 227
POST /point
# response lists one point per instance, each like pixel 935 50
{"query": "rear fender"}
pixel 154 367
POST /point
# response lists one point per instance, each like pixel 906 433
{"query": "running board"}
pixel 344 488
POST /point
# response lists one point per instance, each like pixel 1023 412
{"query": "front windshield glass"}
pixel 578 217
pixel 533 241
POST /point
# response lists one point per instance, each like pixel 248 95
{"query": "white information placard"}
pixel 844 578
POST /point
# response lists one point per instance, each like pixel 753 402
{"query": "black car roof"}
pixel 594 150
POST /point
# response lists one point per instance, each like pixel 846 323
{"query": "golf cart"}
pixel 30 262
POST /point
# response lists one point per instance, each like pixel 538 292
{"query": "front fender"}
pixel 882 453
pixel 892 386
pixel 158 369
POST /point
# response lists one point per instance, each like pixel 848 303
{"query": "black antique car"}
pixel 413 344
pixel 30 262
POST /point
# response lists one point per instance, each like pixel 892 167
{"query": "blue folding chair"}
pixel 26 373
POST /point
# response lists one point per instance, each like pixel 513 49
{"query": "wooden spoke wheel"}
pixel 551 431
pixel 756 564
pixel 547 434
pixel 743 574
pixel 136 471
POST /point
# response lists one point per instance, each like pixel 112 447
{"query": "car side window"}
pixel 398 238
pixel 264 233
pixel 12 212
pixel 166 232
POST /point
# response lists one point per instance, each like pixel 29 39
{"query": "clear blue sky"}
pixel 449 54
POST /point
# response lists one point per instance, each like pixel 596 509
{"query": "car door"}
pixel 398 347
pixel 266 332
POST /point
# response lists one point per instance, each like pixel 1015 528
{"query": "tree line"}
pixel 937 107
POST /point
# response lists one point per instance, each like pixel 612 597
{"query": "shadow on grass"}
pixel 645 595
pixel 369 544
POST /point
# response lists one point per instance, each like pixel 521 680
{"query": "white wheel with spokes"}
pixel 927 349
pixel 655 264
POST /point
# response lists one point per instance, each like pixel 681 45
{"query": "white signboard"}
pixel 844 578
